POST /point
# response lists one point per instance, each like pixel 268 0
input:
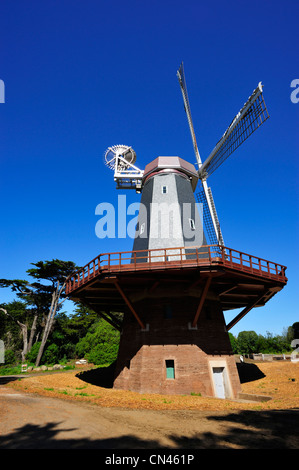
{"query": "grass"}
pixel 16 369
pixel 10 370
pixel 276 382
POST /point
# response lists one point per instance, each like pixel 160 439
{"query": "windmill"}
pixel 122 158
pixel 174 289
pixel 249 118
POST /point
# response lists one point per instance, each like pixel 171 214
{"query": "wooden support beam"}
pixel 153 287
pixel 245 311
pixel 129 304
pixel 202 299
pixel 112 321
pixel 228 290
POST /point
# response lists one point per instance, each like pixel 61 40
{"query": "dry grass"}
pixel 280 381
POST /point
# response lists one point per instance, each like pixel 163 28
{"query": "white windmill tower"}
pixel 168 184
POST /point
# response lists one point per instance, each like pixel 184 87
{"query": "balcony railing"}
pixel 170 258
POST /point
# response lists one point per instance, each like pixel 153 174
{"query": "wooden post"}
pixel 244 311
pixel 129 304
pixel 202 299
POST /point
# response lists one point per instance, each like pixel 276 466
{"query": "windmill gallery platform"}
pixel 174 337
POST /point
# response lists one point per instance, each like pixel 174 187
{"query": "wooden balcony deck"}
pixel 173 259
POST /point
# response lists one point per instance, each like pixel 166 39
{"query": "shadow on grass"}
pixel 101 376
pixel 4 379
pixel 249 372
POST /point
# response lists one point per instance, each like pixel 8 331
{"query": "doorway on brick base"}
pixel 220 379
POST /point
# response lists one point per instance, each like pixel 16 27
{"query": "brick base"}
pixel 195 353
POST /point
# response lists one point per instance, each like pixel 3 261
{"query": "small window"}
pixel 192 224
pixel 169 368
pixel 164 190
pixel 168 312
pixel 142 228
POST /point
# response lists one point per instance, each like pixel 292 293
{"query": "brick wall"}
pixel 141 364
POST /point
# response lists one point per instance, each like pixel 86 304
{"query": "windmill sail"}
pixel 253 114
pixel 249 118
pixel 209 213
pixel 182 82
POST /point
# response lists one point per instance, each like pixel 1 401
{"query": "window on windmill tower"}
pixel 164 190
pixel 192 224
pixel 169 368
pixel 142 228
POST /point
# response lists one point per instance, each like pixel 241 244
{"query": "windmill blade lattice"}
pixel 214 238
pixel 253 114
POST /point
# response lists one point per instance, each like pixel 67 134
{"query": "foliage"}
pixel 10 370
pixel 45 299
pixel 248 342
pixel 51 354
pixel 100 344
pixel 9 330
pixel 233 343
pixel 32 355
pixel 9 357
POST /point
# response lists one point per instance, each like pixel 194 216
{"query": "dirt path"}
pixel 31 421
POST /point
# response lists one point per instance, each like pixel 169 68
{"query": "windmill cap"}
pixel 172 163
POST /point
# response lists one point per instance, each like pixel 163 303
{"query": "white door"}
pixel 218 377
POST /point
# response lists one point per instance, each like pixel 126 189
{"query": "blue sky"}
pixel 82 76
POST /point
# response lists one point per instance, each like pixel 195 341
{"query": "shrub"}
pixel 51 354
pixel 32 355
pixel 10 357
pixel 100 344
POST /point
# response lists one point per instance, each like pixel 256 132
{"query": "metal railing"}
pixel 170 258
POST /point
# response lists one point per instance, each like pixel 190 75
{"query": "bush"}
pixel 9 357
pixel 32 355
pixel 100 344
pixel 51 354
pixel 102 354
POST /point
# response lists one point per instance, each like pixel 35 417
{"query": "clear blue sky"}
pixel 81 76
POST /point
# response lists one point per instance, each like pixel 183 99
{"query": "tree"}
pixel 17 312
pixel 81 320
pixel 45 298
pixel 234 343
pixel 247 342
pixel 23 330
pixel 34 301
pixel 56 272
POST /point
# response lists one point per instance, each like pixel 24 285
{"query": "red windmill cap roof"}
pixel 175 163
